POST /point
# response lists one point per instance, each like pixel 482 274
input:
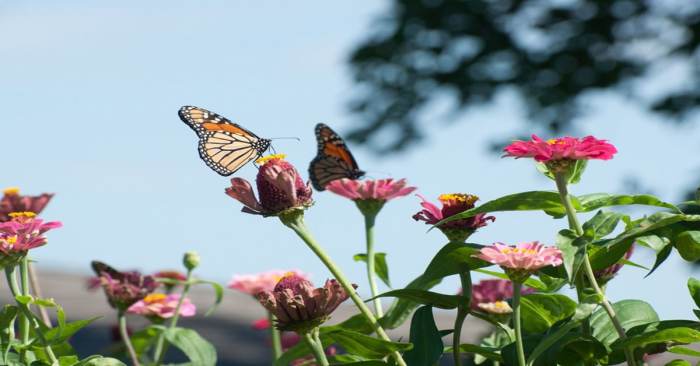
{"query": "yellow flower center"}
pixel 519 251
pixel 502 305
pixel 11 191
pixel 267 158
pixel 458 197
pixel 27 214
pixel 154 298
pixel 554 141
pixel 10 241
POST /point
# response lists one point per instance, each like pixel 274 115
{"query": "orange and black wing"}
pixel 333 159
pixel 223 145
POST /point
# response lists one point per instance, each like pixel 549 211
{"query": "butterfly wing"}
pixel 333 160
pixel 223 145
pixel 100 268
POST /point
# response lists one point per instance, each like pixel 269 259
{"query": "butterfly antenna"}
pixel 285 138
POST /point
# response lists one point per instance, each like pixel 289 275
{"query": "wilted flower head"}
pixel 252 284
pixel 162 306
pixel 280 188
pixel 491 295
pixel 23 232
pixel 563 148
pixel 12 201
pixel 522 260
pixel 123 289
pixel 300 307
pixel 452 204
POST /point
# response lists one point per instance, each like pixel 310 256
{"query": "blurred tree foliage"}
pixel 552 52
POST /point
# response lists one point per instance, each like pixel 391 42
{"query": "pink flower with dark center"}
pixel 162 306
pixel 12 201
pixel 491 295
pixel 522 260
pixel 369 189
pixel 300 307
pixel 280 188
pixel 265 281
pixel 123 289
pixel 563 148
pixel 452 204
pixel 23 232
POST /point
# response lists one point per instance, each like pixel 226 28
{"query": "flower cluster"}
pixel 161 306
pixel 123 289
pixel 23 232
pixel 280 188
pixel 300 307
pixel 253 284
pixel 522 260
pixel 453 204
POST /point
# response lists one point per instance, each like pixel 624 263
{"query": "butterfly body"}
pixel 333 159
pixel 223 145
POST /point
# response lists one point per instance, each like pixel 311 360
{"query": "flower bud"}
pixel 191 260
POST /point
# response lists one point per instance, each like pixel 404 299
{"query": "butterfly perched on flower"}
pixel 333 159
pixel 225 146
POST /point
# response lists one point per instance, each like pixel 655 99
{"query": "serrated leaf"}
pixel 381 269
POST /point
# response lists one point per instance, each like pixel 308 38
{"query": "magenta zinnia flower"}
pixel 253 284
pixel 280 188
pixel 123 289
pixel 23 232
pixel 12 201
pixel 369 189
pixel 453 204
pixel 522 260
pixel 563 148
pixel 491 295
pixel 162 306
pixel 300 307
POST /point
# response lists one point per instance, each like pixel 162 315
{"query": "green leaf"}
pixel 425 337
pixel 363 345
pixel 603 256
pixel 602 224
pixel 197 349
pixel 62 334
pixel 425 297
pixel 489 353
pixel 590 202
pixel 143 339
pixel 218 291
pixel 668 332
pixel 631 313
pixel 381 269
pixel 100 361
pixel 680 350
pixel 540 311
pixel 694 289
pixel 688 245
pixel 582 312
pixel 573 250
pixel 7 320
pixel 68 360
pixel 661 257
pixel 678 362
pixel 24 299
pixel 548 201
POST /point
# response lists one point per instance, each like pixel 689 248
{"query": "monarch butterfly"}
pixel 333 159
pixel 223 145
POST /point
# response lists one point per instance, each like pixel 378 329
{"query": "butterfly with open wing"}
pixel 225 146
pixel 333 159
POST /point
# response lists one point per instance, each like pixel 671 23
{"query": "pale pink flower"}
pixel 252 284
pixel 563 148
pixel 369 189
pixel 300 307
pixel 492 291
pixel 12 201
pixel 280 188
pixel 526 256
pixel 162 306
pixel 23 232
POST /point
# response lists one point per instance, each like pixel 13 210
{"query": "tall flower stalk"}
pixel 517 286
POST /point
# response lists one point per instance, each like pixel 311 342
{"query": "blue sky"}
pixel 91 93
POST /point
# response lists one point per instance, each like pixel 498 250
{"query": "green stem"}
pixel 574 224
pixel 34 282
pixel 316 349
pixel 26 313
pixel 295 221
pixel 24 276
pixel 123 331
pixel 162 345
pixel 369 237
pixel 516 322
pixel 462 312
pixel 275 336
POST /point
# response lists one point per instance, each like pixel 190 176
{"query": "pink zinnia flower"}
pixel 453 204
pixel 522 260
pixel 123 289
pixel 491 295
pixel 300 307
pixel 563 148
pixel 12 201
pixel 162 306
pixel 23 232
pixel 253 284
pixel 369 189
pixel 280 188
